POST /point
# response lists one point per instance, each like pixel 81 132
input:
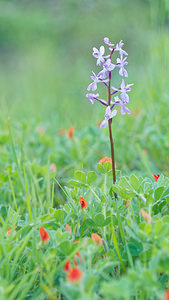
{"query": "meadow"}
pixel 62 233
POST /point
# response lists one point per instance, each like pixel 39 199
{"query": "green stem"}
pixel 27 195
pixel 116 244
pixel 13 192
pixel 90 188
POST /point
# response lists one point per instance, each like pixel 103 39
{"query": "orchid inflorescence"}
pixel 104 76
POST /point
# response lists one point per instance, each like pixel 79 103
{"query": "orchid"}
pixel 104 76
pixel 108 65
pixel 99 55
pixel 96 78
pixel 107 42
pixel 108 116
pixel 92 97
pixel 122 103
pixel 119 48
pixel 123 89
pixel 121 62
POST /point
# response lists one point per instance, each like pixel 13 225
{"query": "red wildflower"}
pixel 40 130
pixel 74 258
pixel 61 132
pixel 68 228
pixel 70 132
pixel 146 216
pixel 97 239
pixel 43 234
pixel 53 167
pixel 76 241
pixel 156 177
pixel 74 275
pixel 144 151
pixel 127 203
pixel 104 160
pixel 9 230
pixel 83 203
pixel 67 266
pixel 166 295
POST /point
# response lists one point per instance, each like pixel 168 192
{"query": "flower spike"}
pixel 104 76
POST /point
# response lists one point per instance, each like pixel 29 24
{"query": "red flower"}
pixel 104 160
pixel 70 132
pixel 43 234
pixel 97 239
pixel 61 132
pixel 53 167
pixel 146 216
pixel 156 177
pixel 67 266
pixel 166 295
pixel 68 228
pixel 40 130
pixel 74 275
pixel 83 203
pixel 74 258
pixel 127 203
pixel 76 241
pixel 9 230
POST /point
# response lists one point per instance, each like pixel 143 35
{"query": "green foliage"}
pixel 46 52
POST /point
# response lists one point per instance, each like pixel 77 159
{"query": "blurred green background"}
pixel 46 63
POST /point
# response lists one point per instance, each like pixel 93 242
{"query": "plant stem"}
pixel 111 138
pixel 112 153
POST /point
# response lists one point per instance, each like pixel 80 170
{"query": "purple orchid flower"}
pixel 122 103
pixel 119 48
pixel 99 55
pixel 92 97
pixel 123 89
pixel 107 42
pixel 103 73
pixel 108 65
pixel 108 115
pixel 105 76
pixel 121 62
pixel 96 79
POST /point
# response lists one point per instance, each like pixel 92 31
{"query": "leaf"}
pixel 158 192
pixel 107 221
pixel 107 166
pixel 115 189
pixel 165 193
pixel 100 169
pixel 134 182
pixel 46 217
pixel 75 183
pixel 59 215
pixel 135 248
pixel 89 222
pixel 66 247
pixel 99 219
pixel 125 184
pixel 91 177
pixel 81 176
